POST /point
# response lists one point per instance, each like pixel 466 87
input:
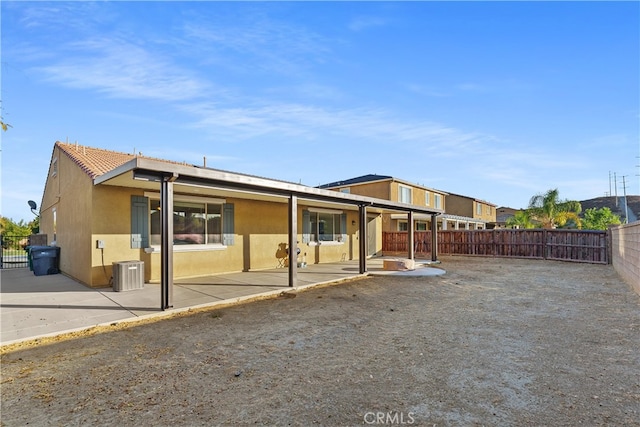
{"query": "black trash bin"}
pixel 44 259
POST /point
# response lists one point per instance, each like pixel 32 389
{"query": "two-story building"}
pixel 482 212
pixel 457 215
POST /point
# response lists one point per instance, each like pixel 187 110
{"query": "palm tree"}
pixel 551 212
pixel 520 220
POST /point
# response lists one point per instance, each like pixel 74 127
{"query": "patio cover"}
pixel 150 174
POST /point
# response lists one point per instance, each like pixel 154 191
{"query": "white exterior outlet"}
pixel 100 244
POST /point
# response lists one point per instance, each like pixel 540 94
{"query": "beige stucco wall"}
pixel 379 190
pixel 111 224
pixel 389 190
pixel 461 206
pixel 88 213
pixel 257 243
pixel 488 212
pixel 466 206
pixel 625 253
pixel 69 192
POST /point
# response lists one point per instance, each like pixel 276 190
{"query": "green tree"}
pixel 550 211
pixel 599 219
pixel 520 220
pixel 20 228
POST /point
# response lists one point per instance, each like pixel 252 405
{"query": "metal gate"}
pixel 14 253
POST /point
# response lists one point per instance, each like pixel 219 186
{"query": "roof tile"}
pixel 96 161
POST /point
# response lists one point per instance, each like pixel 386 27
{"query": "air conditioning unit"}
pixel 128 275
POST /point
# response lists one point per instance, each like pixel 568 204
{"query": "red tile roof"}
pixel 96 161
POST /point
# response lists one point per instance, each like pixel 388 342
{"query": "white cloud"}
pixel 361 23
pixel 472 87
pixel 123 70
pixel 257 43
pixel 427 90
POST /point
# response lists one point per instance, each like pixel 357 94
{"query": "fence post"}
pixel 608 242
pixel 544 244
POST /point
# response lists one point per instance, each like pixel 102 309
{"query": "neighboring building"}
pixel 398 190
pixel 480 210
pixel 101 207
pixel 503 214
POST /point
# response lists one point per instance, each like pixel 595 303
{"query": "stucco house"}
pixel 503 213
pixel 182 220
pixel 483 212
pixel 395 189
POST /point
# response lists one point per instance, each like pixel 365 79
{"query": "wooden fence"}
pixel 565 245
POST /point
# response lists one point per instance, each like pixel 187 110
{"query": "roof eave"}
pixel 213 177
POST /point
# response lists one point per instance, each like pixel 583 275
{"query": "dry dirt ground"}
pixel 493 342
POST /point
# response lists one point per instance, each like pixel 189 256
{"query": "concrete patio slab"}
pixel 41 306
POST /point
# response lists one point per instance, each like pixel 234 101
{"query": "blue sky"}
pixel 494 100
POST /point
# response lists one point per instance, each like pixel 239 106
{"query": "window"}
pixel 320 225
pixel 478 208
pixel 346 190
pixel 193 223
pixel 438 201
pixel 427 198
pixel 404 194
pixel 403 226
pixel 488 210
pixel 421 226
pixel 54 167
pixel 197 221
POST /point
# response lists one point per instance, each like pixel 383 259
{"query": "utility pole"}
pixel 615 181
pixel 609 184
pixel 626 206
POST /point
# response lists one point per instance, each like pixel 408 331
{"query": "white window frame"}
pixel 313 234
pixel 478 208
pixel 403 226
pixel 401 189
pixel 189 199
pixel 438 201
pixel 427 198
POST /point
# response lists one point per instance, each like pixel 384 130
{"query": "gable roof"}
pixel 474 199
pixel 97 161
pixel 357 180
pixel 375 178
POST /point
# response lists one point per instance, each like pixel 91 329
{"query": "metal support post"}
pixel 434 237
pixel 362 226
pixel 166 241
pixel 293 242
pixel 410 235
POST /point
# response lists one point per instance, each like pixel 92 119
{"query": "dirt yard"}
pixel 493 342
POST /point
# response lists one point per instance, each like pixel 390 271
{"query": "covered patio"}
pixel 153 175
